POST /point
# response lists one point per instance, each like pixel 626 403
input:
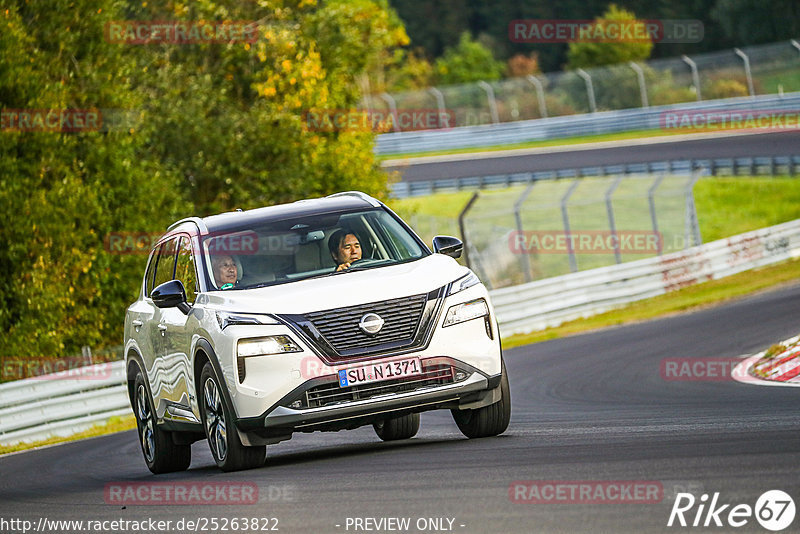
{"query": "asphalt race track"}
pixel 592 407
pixel 764 144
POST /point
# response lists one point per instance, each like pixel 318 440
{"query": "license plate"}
pixel 375 372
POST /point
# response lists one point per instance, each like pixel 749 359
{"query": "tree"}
pixel 63 192
pixel 469 61
pixel 586 54
pixel 217 126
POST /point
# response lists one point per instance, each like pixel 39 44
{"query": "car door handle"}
pixel 162 327
pixel 137 323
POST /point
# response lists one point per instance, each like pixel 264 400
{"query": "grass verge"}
pixel 688 299
pixel 114 424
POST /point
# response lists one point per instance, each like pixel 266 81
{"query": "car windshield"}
pixel 278 252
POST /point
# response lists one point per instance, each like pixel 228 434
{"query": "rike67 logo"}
pixel 774 510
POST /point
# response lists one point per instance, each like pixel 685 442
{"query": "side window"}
pixel 185 271
pixel 165 268
pixel 151 267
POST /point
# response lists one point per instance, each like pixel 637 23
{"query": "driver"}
pixel 345 248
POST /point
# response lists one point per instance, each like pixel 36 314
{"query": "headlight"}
pixel 469 280
pixel 225 319
pixel 466 311
pixel 263 346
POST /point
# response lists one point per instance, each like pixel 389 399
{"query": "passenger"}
pixel 345 248
pixel 225 272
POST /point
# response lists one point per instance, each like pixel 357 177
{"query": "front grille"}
pixel 433 374
pixel 340 328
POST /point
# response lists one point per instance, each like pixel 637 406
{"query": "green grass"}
pixel 690 298
pixel 789 79
pixel 114 424
pixel 729 206
pixel 598 138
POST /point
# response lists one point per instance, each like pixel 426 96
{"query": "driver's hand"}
pixel 343 266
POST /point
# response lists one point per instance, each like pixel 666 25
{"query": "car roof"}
pixel 340 202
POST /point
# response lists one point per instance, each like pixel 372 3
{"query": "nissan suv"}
pixel 320 315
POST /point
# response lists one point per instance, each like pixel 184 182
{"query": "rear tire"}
pixel 403 427
pixel 160 452
pixel 223 439
pixel 490 420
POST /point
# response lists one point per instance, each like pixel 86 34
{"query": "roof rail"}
pixel 196 220
pixel 359 194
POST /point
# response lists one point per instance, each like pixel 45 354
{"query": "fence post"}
pixel 389 99
pixel 746 71
pixel 539 94
pixel 589 89
pixel 611 223
pixel 437 94
pixel 86 354
pixel 526 262
pixel 642 85
pixel 695 75
pixel 651 200
pixel 490 98
pixel 573 264
pixel 462 229
pixel 691 231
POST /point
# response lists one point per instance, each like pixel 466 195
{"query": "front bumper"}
pixel 278 423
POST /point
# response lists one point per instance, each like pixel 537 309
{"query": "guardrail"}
pixel 62 404
pixel 56 405
pixel 760 165
pixel 626 120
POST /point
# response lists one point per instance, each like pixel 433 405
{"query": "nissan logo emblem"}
pixel 371 323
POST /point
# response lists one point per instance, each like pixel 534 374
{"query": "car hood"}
pixel 342 290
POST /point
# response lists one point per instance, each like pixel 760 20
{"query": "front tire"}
pixel 161 454
pixel 403 427
pixel 223 439
pixel 490 420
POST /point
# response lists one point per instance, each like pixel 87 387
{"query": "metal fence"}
pixel 749 166
pixel 749 71
pixel 551 227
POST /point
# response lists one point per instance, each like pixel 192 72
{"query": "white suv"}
pixel 324 314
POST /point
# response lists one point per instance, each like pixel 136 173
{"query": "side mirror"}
pixel 447 245
pixel 170 295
